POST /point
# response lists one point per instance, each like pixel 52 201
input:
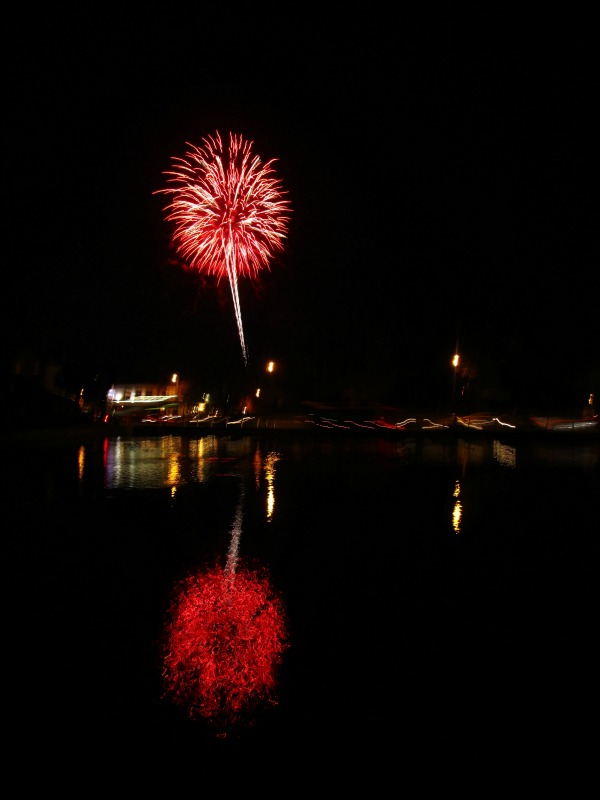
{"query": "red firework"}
pixel 225 638
pixel 230 213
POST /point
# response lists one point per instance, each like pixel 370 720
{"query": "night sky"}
pixel 442 174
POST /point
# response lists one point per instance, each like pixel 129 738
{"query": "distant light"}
pixel 174 378
pixel 270 366
pixel 455 360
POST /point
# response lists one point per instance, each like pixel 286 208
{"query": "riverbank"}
pixel 328 423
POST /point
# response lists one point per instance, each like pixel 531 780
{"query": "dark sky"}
pixel 442 174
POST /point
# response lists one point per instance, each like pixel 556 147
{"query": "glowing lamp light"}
pixel 455 361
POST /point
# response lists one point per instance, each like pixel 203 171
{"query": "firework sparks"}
pixel 230 213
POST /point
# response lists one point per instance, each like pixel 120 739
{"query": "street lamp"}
pixel 455 360
pixel 175 380
pixel 269 388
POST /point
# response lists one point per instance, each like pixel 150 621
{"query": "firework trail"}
pixel 230 213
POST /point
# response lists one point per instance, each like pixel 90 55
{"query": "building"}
pixel 130 402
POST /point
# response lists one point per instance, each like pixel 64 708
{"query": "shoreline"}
pixel 477 426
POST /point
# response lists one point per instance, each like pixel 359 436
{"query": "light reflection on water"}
pixel 151 463
pixel 457 510
pixel 173 462
pixel 155 462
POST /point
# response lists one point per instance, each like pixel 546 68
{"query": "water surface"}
pixel 439 594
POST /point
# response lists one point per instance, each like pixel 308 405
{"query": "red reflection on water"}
pixel 225 638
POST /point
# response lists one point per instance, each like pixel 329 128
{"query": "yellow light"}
pixel 270 366
pixel 455 360
pixel 270 460
pixel 174 378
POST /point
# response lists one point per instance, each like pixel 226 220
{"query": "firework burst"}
pixel 230 213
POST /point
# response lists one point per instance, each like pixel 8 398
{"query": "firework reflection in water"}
pixel 224 641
